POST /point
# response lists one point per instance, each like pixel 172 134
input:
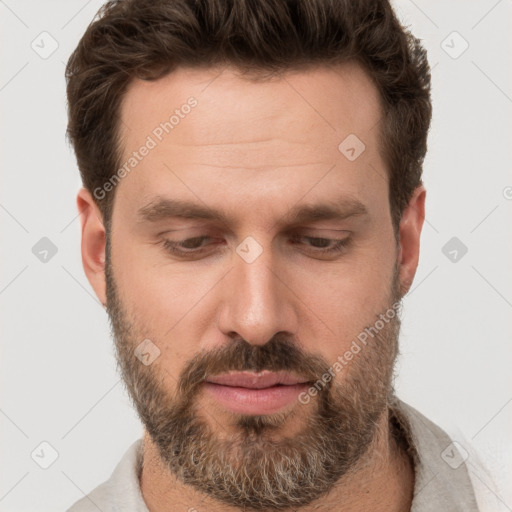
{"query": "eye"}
pixel 323 245
pixel 197 246
pixel 187 246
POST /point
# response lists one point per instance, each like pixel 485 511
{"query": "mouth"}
pixel 256 393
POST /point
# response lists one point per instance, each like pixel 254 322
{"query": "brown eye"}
pixel 191 248
pixel 320 242
pixel 322 245
pixel 192 243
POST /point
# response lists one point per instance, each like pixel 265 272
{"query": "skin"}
pixel 255 150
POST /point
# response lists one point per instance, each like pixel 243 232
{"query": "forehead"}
pixel 322 98
pixel 258 139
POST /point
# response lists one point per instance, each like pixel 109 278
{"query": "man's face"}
pixel 261 289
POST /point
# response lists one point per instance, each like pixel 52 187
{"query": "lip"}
pixel 255 393
pixel 252 380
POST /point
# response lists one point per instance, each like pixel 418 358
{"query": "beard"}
pixel 256 468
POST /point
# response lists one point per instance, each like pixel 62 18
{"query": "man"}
pixel 251 216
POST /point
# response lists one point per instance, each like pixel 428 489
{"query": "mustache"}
pixel 278 354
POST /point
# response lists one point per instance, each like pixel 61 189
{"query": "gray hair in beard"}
pixel 251 469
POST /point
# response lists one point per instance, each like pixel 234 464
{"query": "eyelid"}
pixel 321 232
pixel 214 227
pixel 326 233
pixel 202 228
pixel 337 246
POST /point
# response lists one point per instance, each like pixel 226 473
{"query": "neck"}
pixel 383 480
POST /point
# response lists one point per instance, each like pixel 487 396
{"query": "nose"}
pixel 257 302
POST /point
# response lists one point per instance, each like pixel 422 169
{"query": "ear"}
pixel 410 231
pixel 93 243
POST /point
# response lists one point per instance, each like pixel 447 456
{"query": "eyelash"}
pixel 339 245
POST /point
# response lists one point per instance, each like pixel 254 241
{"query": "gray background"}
pixel 58 377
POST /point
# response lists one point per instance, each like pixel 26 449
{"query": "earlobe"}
pixel 410 231
pixel 93 242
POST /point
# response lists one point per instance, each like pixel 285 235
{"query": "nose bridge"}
pixel 256 304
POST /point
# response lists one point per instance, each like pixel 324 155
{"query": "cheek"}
pixel 168 303
pixel 153 288
pixel 340 303
pixel 175 304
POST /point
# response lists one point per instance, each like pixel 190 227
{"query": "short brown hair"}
pixel 149 38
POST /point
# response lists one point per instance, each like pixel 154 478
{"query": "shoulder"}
pixel 121 492
pixel 442 478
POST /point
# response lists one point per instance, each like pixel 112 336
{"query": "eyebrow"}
pixel 161 209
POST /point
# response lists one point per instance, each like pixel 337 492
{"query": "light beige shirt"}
pixel 442 482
